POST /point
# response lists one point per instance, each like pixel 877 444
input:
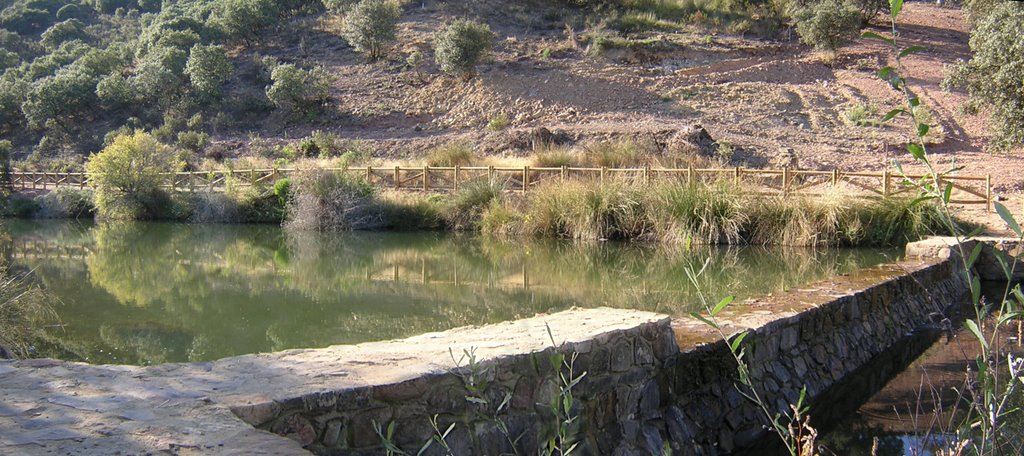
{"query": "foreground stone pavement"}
pixel 54 407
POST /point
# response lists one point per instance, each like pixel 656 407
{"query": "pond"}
pixel 145 293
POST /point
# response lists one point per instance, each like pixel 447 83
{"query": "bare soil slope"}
pixel 757 95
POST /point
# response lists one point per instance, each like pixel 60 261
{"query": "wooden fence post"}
pixel 647 174
pixel 490 173
pixel 565 171
pixel 458 175
pixel 604 169
pixel 988 191
pixel 398 178
pixel 426 179
pixel 737 176
pixel 689 174
pixel 885 183
pixel 526 178
pixel 785 181
pixel 369 174
pixel 835 177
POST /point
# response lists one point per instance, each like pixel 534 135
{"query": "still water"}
pixel 145 293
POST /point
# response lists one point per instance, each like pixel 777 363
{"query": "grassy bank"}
pixel 671 213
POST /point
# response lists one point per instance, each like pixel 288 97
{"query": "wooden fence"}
pixel 968 190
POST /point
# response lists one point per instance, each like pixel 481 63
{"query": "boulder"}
pixel 692 140
pixel 785 158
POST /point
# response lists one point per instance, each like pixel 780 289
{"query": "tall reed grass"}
pixel 678 213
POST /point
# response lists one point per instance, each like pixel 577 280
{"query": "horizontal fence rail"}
pixel 967 190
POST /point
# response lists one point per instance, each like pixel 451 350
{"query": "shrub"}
pixel 828 24
pixel 994 75
pixel 616 154
pixel 19 206
pixel 702 213
pixel 208 68
pixel 861 115
pixel 321 144
pixel 452 154
pixel 5 160
pixel 67 202
pixel 370 26
pixel 127 177
pixel 498 122
pixel 115 92
pixel 409 211
pixel 460 46
pixel 554 157
pixel 466 206
pixel 295 89
pixel 194 141
pixel 323 200
pixel 71 29
pixel 282 188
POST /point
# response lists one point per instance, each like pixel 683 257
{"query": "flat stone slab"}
pixel 54 407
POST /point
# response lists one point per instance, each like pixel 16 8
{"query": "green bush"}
pixel 57 34
pixel 208 68
pixel 18 206
pixel 370 26
pixel 828 24
pixel 194 141
pixel 994 75
pixel 128 178
pixel 467 205
pixel 460 46
pixel 67 202
pixel 295 89
pixel 498 122
pixel 282 188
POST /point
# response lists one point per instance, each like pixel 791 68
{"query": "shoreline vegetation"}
pixel 666 213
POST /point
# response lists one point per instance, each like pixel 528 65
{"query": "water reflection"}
pixel 150 293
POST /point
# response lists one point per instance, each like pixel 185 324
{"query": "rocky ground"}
pixel 758 95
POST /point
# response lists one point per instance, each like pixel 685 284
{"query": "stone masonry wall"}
pixel 641 393
pixel 815 348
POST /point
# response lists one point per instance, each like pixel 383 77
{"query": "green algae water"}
pixel 145 293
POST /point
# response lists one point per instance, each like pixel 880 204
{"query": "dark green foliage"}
pixel 63 98
pixel 115 92
pixel 828 24
pixel 241 19
pixel 460 46
pixel 298 90
pixel 994 76
pixel 24 20
pixel 370 26
pixel 282 188
pixel 194 141
pixel 61 32
pixel 75 11
pixel 208 68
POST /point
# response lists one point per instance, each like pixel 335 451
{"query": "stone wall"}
pixel 641 392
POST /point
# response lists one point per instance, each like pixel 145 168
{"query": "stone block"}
pixel 621 356
pixel 678 426
pixel 650 401
pixel 653 442
pixel 297 428
pixel 257 414
pixel 332 434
